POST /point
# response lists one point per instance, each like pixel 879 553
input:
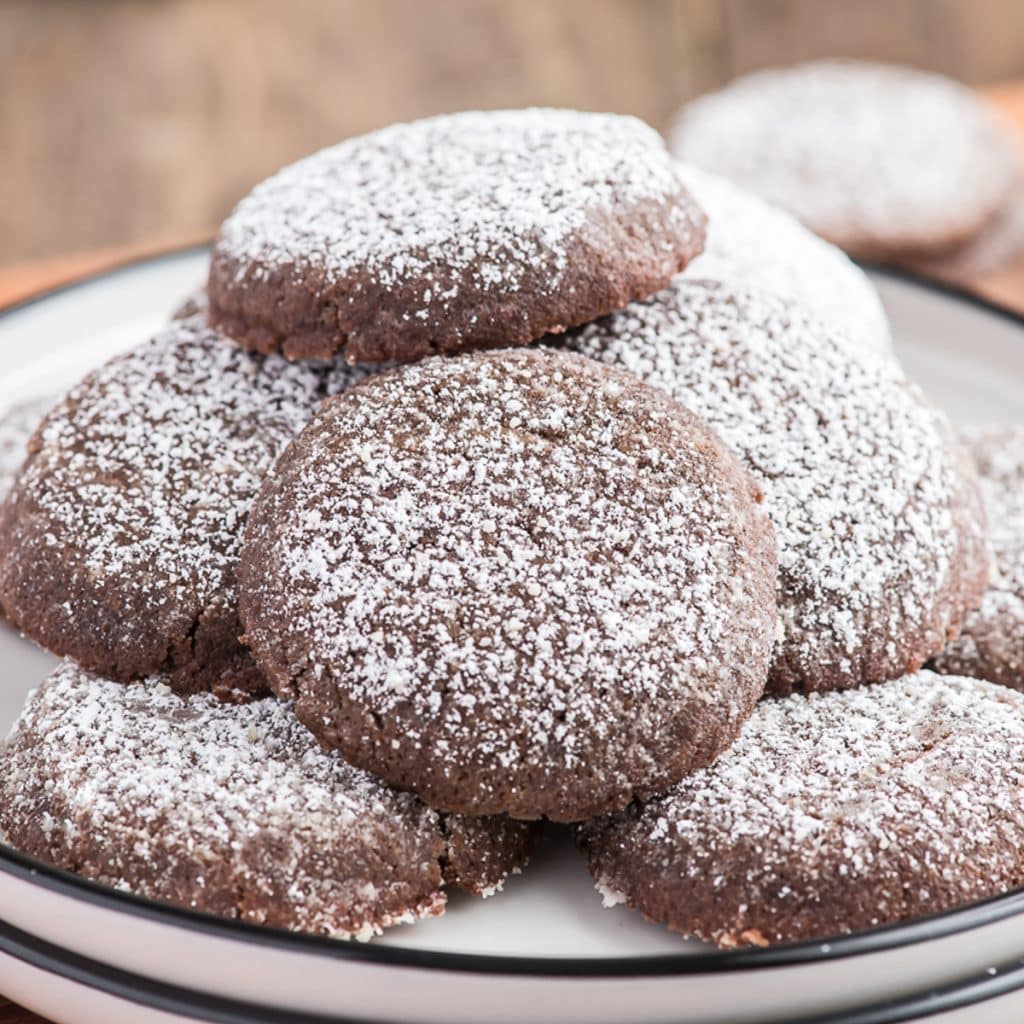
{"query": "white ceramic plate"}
pixel 542 950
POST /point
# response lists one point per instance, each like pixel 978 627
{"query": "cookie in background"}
pixel 890 163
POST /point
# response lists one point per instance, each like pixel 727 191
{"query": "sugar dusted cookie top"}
pixel 513 581
pixel 234 810
pixel 833 812
pixel 119 542
pixel 753 243
pixel 471 229
pixel 881 160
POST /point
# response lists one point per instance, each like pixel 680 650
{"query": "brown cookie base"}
pixel 309 314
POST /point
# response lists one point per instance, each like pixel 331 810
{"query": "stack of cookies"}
pixel 507 470
pixel 890 163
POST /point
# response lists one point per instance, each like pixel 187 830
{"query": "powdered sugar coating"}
pixel 477 228
pixel 119 541
pixel 512 581
pixel 753 243
pixel 832 812
pixel 881 535
pixel 230 809
pixel 878 159
pixel 16 427
pixel 991 645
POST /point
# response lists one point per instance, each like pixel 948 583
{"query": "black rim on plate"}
pixel 213 1009
pixel 934 926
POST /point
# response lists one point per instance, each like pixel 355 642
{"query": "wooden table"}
pixel 21 281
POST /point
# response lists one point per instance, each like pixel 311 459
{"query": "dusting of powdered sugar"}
pixel 481 197
pixel 991 645
pixel 528 569
pixel 880 537
pixel 232 809
pixel 751 242
pixel 830 812
pixel 155 782
pixel 142 477
pixel 870 156
pixel 16 426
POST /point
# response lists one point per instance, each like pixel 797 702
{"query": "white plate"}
pixel 544 949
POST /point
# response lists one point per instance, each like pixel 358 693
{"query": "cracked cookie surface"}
pixel 831 813
pixel 232 810
pixel 119 537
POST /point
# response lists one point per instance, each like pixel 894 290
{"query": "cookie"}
pixel 750 242
pixel 991 645
pixel 17 425
pixel 833 812
pixel 879 520
pixel 232 810
pixel 883 161
pixel 120 537
pixel 475 229
pixel 514 581
pixel 997 247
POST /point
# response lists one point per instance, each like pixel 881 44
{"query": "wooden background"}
pixel 123 121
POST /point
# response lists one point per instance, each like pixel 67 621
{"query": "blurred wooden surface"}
pixel 21 280
pixel 125 121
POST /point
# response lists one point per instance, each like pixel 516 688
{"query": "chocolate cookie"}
pixel 120 537
pixel 17 425
pixel 466 230
pixel 833 812
pixel 512 581
pixel 991 645
pixel 233 810
pixel 879 520
pixel 750 242
pixel 883 161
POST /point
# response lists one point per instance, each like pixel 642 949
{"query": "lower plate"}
pixel 544 949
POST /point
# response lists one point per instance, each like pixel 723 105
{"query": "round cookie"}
pixel 752 243
pixel 233 810
pixel 878 516
pixel 465 230
pixel 514 581
pixel 883 161
pixel 120 537
pixel 833 812
pixel 991 645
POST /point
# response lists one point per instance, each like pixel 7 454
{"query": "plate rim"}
pixel 867 941
pixel 212 1008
